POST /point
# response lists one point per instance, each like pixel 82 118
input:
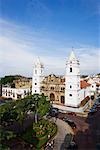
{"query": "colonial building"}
pixel 23 82
pixel 54 87
pixel 22 88
pixel 67 90
pixel 15 93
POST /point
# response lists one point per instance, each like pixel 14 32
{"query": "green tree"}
pixel 18 110
pixel 7 80
pixel 8 113
pixel 4 136
pixel 42 105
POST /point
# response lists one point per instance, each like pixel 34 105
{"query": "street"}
pixel 87 134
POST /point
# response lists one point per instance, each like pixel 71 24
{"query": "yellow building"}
pixel 54 87
pixel 23 82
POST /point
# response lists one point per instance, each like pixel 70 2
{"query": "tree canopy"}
pixel 7 79
pixel 18 110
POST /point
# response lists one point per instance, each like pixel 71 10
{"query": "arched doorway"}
pixel 62 99
pixel 52 97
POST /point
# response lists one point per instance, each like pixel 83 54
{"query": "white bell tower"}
pixel 72 82
pixel 37 76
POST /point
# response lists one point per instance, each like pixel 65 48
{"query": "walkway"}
pixel 63 130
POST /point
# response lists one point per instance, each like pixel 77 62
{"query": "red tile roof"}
pixel 84 84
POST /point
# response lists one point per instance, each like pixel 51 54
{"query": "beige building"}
pixel 23 82
pixel 54 87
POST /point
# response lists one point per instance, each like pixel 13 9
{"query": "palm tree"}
pixel 35 99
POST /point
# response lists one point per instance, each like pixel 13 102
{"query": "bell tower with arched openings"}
pixel 37 76
pixel 72 81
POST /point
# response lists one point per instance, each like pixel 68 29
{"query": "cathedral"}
pixel 69 92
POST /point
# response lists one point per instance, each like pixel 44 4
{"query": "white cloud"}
pixel 19 47
pixel 16 59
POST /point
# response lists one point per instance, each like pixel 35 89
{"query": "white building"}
pixel 77 92
pixel 15 93
pixel 37 76
pixel 72 82
pixel 95 85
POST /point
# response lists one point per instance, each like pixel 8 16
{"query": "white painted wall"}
pixel 72 82
pixel 93 87
pixel 37 77
pixel 13 93
pixel 83 93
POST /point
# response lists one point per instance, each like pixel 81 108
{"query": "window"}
pixel 52 88
pixel 62 88
pixel 70 86
pixel 13 94
pixel 92 86
pixel 35 71
pixel 70 69
pixel 24 92
pixel 35 83
pixel 70 94
pixel 42 87
pixel 62 99
pixel 35 91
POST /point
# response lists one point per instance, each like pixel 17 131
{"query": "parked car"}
pixel 54 109
pixel 72 146
pixel 94 106
pixel 92 111
pixel 70 122
pixel 54 112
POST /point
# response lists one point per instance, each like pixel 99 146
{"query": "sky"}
pixel 48 29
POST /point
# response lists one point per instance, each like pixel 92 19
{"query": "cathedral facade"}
pixel 54 87
pixel 67 90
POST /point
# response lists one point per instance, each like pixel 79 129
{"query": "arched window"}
pixel 35 71
pixel 52 88
pixel 52 97
pixel 70 86
pixel 62 99
pixel 71 69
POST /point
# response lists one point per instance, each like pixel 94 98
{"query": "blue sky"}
pixel 49 29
